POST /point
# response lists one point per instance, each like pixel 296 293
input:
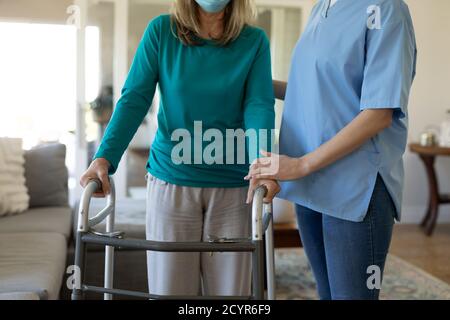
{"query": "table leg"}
pixel 426 218
pixel 429 222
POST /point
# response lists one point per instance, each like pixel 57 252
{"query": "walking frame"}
pixel 262 223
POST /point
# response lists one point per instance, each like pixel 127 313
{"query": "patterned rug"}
pixel 402 281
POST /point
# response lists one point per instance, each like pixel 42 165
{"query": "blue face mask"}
pixel 213 6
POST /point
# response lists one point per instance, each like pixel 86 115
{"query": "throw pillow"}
pixel 13 191
pixel 46 175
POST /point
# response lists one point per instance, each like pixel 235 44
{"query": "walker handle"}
pixel 84 222
pixel 258 213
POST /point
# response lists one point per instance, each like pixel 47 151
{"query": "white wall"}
pixel 140 16
pixel 39 11
pixel 430 98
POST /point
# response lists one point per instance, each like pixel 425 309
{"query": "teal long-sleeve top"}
pixel 206 90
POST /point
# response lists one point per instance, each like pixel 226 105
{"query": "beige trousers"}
pixel 176 213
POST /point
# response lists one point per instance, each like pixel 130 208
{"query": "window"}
pixel 38 82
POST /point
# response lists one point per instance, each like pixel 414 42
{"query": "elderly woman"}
pixel 212 69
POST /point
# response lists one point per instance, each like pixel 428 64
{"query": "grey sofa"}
pixel 33 244
pixel 37 246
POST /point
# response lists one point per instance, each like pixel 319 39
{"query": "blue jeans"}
pixel 344 255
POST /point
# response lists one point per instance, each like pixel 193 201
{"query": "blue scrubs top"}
pixel 354 55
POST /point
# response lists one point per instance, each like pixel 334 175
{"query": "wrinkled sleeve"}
pixel 136 98
pixel 259 113
pixel 390 64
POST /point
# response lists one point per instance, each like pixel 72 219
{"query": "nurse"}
pixel 343 136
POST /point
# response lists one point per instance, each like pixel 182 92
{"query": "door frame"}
pixel 120 70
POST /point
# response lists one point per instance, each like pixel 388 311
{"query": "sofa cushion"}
pixel 13 191
pixel 46 175
pixel 32 262
pixel 46 220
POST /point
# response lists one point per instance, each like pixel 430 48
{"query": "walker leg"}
pixel 109 260
pixel 270 262
pixel 109 271
pixel 80 253
pixel 258 270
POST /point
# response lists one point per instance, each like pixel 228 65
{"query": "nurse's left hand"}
pixel 278 167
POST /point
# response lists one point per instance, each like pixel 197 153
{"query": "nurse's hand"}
pixel 272 189
pixel 98 170
pixel 278 167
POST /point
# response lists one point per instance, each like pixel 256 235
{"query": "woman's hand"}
pixel 278 167
pixel 272 189
pixel 98 170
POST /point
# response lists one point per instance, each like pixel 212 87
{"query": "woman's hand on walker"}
pixel 272 189
pixel 98 170
pixel 278 167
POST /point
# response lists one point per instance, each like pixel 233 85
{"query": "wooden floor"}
pixel 431 254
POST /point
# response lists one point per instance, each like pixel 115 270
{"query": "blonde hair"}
pixel 186 22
